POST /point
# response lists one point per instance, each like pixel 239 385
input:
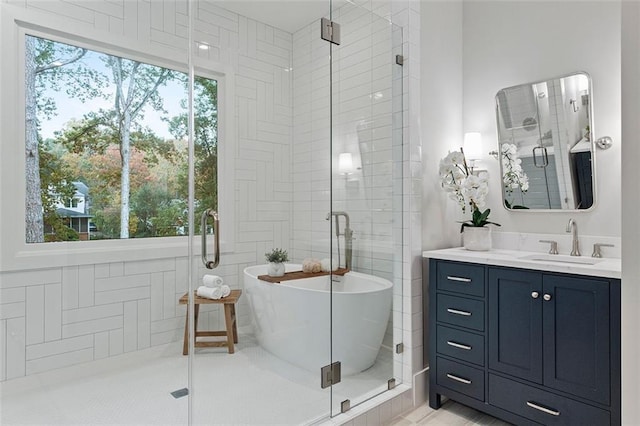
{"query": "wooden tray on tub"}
pixel 296 275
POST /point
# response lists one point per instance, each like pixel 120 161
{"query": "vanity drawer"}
pixel 542 406
pixel 461 311
pixel 460 378
pixel 460 344
pixel 461 278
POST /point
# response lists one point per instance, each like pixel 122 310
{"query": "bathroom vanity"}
pixel 526 337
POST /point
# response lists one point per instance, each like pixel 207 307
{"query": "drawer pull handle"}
pixel 457 312
pixel 459 379
pixel 460 279
pixel 459 345
pixel 543 409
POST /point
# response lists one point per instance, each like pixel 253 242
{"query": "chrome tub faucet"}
pixel 348 237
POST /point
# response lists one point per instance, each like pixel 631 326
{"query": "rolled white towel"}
pixel 209 292
pixel 225 290
pixel 327 265
pixel 212 280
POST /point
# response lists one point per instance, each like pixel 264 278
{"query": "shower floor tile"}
pixel 249 387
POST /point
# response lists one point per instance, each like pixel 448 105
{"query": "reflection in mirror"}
pixel 545 144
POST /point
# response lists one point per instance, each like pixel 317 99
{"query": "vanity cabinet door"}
pixel 515 323
pixel 576 336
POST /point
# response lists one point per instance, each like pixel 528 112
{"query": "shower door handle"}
pixel 210 264
pixel 545 157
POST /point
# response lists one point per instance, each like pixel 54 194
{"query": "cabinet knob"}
pixel 547 297
pixel 535 294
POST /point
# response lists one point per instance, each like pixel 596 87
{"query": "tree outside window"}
pixel 117 127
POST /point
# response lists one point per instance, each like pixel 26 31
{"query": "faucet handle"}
pixel 596 249
pixel 554 246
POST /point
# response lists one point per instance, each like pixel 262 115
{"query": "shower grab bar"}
pixel 210 264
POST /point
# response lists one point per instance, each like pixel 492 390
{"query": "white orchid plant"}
pixel 513 176
pixel 468 190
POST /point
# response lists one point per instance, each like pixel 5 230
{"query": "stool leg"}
pixel 195 324
pixel 185 346
pixel 235 323
pixel 229 324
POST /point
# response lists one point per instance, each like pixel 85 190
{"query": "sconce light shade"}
pixel 473 145
pixel 345 163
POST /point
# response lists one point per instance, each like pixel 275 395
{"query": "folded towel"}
pixel 225 290
pixel 212 281
pixel 209 292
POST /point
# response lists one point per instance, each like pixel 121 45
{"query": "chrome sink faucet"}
pixel 572 227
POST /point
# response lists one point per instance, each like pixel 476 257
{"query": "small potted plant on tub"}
pixel 276 259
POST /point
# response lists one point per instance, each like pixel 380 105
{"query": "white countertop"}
pixel 605 267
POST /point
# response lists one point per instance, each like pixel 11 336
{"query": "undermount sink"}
pixel 562 259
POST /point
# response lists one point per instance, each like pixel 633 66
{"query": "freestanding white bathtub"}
pixel 292 319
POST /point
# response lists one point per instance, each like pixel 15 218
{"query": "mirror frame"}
pixel 591 143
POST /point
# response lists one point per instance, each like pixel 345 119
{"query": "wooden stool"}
pixel 231 331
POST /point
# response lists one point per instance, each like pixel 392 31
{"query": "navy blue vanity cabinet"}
pixel 551 329
pixel 551 342
pixel 457 295
pixel 515 323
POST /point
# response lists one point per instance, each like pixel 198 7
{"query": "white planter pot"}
pixel 477 238
pixel 275 269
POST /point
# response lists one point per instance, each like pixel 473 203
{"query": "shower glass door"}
pixel 269 161
pixel 366 197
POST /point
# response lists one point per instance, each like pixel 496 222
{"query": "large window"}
pixel 108 135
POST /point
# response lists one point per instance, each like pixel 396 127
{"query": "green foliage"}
pixel 56 180
pixel 478 219
pixel 61 67
pixel 205 143
pixel 277 255
pixel 514 206
pixel 61 232
pixel 158 215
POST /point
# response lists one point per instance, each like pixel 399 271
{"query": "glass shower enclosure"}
pixel 168 141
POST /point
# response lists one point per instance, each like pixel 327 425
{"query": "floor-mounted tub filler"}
pixel 296 320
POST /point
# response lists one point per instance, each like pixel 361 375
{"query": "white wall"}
pixel 630 208
pixel 441 127
pixel 511 43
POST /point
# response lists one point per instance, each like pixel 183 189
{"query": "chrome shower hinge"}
pixel 330 375
pixel 329 31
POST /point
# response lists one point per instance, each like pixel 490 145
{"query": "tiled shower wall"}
pixel 63 316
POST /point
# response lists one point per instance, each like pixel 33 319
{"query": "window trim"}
pixel 15 253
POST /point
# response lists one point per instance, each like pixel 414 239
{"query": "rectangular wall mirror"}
pixel 545 145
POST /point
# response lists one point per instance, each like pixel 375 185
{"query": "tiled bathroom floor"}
pixel 451 413
pixel 249 387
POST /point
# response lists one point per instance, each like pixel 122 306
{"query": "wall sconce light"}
pixel 472 148
pixel 345 163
